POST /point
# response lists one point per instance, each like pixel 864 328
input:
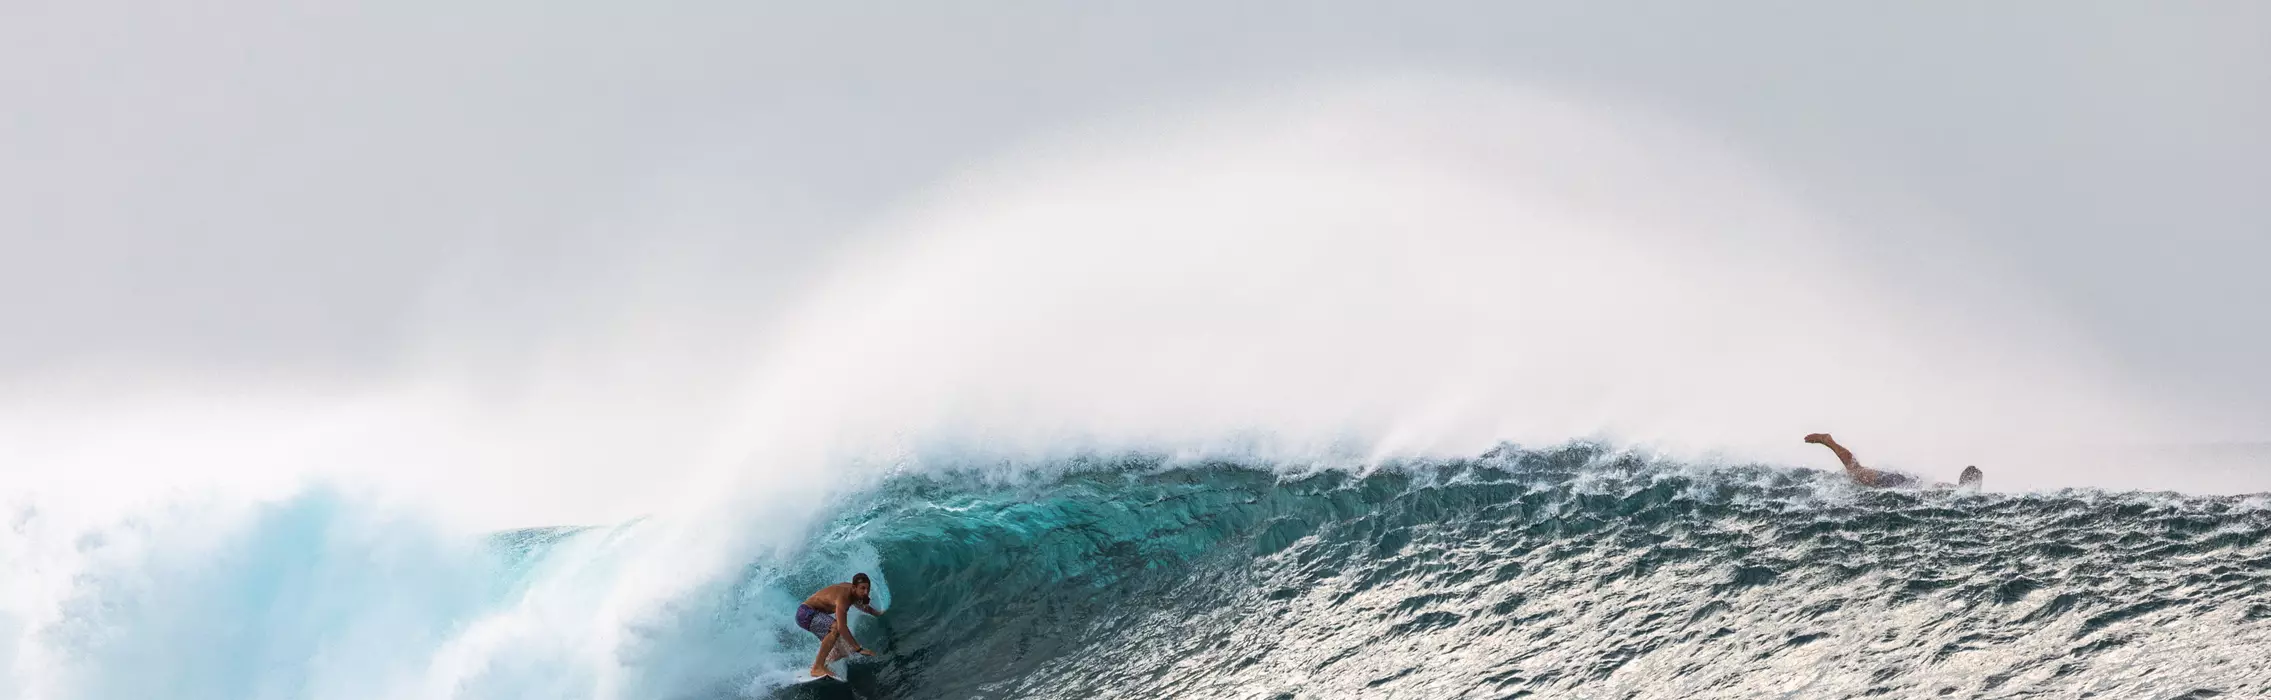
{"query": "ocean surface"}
pixel 1569 573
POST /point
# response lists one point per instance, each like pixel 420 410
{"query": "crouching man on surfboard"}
pixel 1883 479
pixel 827 615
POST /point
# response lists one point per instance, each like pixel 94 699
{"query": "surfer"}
pixel 827 615
pixel 1874 478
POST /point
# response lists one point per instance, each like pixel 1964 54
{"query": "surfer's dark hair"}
pixel 859 578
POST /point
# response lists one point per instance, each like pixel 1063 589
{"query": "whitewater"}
pixel 1411 387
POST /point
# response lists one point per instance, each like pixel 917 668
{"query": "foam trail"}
pixel 328 595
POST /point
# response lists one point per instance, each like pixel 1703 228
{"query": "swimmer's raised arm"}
pixel 1843 455
pixel 1861 475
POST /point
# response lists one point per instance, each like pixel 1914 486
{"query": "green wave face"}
pixel 1558 574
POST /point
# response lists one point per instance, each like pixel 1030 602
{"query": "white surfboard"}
pixel 838 671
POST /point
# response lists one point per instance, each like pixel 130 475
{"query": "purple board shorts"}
pixel 814 621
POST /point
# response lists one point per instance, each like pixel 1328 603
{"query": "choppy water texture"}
pixel 1572 573
pixel 1561 575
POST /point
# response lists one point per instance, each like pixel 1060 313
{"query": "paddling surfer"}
pixel 827 615
pixel 1876 478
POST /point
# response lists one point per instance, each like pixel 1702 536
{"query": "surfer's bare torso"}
pixel 834 598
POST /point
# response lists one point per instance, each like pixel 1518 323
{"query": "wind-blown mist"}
pixel 1413 268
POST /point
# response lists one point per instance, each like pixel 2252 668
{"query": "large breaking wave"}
pixel 1575 572
pixel 1309 307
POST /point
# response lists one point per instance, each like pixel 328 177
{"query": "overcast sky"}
pixel 313 189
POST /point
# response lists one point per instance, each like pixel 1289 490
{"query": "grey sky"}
pixel 311 188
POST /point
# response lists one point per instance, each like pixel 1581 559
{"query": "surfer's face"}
pixel 860 589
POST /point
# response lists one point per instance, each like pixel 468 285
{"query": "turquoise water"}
pixel 1566 573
